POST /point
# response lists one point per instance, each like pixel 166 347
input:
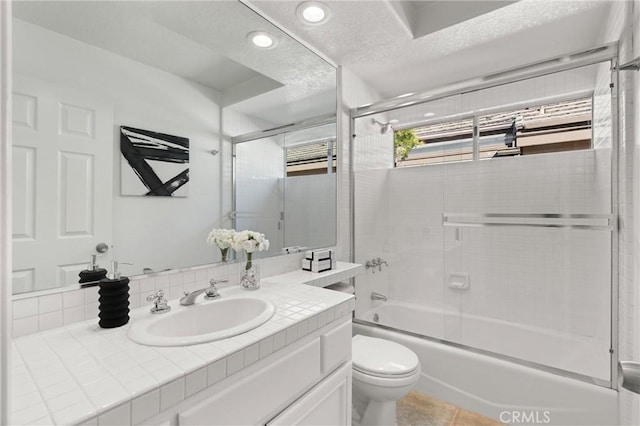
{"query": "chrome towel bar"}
pixel 601 222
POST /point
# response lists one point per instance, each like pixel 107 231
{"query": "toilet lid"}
pixel 382 357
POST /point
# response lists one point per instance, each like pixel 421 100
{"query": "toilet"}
pixel 383 372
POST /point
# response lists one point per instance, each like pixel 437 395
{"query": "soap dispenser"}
pixel 93 272
pixel 114 299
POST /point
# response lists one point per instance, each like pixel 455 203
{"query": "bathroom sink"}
pixel 203 322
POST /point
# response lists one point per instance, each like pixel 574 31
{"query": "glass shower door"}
pixel 259 189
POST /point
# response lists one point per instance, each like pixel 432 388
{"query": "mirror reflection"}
pixel 184 70
pixel 285 187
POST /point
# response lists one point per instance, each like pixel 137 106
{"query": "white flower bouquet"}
pixel 249 241
pixel 223 238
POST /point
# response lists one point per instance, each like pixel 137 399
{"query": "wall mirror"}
pixel 187 78
pixel 285 185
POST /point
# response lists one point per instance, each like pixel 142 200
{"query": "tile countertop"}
pixel 78 373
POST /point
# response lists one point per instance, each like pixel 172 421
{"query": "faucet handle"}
pixel 157 296
pixel 159 302
pixel 212 291
pixel 381 261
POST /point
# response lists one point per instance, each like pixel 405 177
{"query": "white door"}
pixel 63 145
pixel 329 403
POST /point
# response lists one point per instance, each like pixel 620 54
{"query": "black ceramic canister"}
pixel 114 300
pixel 93 272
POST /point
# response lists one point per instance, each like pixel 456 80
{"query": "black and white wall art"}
pixel 153 163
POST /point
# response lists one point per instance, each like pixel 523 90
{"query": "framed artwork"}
pixel 153 164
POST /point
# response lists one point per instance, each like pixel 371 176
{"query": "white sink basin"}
pixel 202 322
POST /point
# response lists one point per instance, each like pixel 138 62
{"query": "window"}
pixel 553 127
pixel 311 159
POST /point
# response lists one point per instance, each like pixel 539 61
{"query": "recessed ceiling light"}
pixel 262 40
pixel 313 12
pixel 429 114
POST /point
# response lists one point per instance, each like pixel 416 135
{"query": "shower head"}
pixel 384 127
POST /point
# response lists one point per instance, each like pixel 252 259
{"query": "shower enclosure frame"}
pixel 596 55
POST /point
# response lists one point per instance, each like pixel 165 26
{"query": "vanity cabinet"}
pixel 329 403
pixel 306 383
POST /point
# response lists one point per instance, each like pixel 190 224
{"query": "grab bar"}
pixel 536 220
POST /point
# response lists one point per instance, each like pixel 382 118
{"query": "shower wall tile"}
pixel 371 205
pixel 310 218
pixel 353 92
pixel 546 279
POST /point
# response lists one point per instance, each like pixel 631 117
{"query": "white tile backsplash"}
pixel 34 312
pixel 50 303
pixel 71 299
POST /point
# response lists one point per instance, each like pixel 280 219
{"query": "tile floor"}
pixel 418 409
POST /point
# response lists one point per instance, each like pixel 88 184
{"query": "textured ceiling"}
pixel 205 42
pixel 392 46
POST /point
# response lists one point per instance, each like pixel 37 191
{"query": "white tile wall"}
pixel 309 210
pixel 556 281
pixel 36 312
pixel 354 92
pixel 260 188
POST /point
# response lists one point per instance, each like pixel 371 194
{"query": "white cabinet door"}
pixel 329 403
pixel 63 147
pixel 253 398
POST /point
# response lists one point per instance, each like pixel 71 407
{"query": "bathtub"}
pixel 503 390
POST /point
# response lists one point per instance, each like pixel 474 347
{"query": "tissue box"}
pixel 319 255
pixel 318 265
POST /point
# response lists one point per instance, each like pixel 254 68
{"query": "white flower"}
pixel 249 241
pixel 223 238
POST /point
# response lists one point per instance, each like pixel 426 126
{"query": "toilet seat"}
pixel 384 375
pixel 383 358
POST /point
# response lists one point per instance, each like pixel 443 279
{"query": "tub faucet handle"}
pixel 379 262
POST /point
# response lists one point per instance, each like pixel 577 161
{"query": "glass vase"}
pixel 224 252
pixel 250 276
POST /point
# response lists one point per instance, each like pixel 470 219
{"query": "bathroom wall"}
pixel 624 24
pixel 151 99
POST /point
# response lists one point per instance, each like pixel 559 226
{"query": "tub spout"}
pixel 378 296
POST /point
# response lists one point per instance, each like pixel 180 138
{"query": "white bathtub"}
pixel 584 355
pixel 497 388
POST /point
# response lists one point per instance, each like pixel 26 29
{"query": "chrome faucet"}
pixel 375 263
pixel 380 262
pixel 211 292
pixel 378 296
